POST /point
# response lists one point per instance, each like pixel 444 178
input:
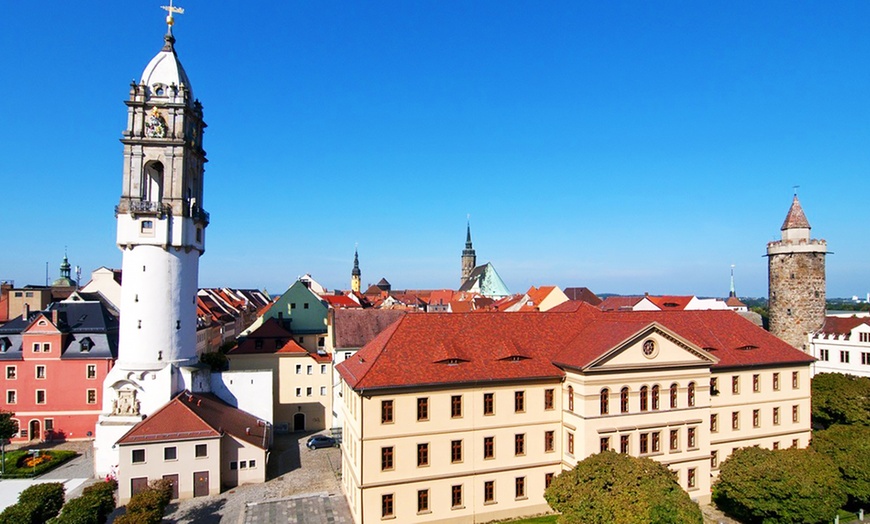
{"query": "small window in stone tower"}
pixel 788 311
pixel 199 234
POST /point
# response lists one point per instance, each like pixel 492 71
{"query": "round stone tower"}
pixel 796 280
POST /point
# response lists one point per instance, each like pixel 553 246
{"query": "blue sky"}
pixel 622 146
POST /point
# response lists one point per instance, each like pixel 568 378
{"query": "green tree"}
pixel 8 429
pixel 840 399
pixel 761 486
pixel 614 487
pixel 849 448
pixel 216 360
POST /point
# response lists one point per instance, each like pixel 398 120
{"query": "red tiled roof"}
pixel 670 302
pixel 734 302
pixel 340 301
pixel 795 217
pixel 447 348
pixel 619 303
pixel 462 306
pixel 193 416
pixel 843 325
pixel 441 296
pixel 270 337
pixel 583 294
pixel 354 328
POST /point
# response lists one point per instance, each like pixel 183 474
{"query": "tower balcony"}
pixel 143 208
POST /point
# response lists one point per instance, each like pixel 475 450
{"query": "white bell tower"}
pixel 161 232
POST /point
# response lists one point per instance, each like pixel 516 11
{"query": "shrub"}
pixel 146 517
pixel 93 507
pixel 19 514
pixel 47 499
pixel 613 487
pixel 783 486
pixel 147 506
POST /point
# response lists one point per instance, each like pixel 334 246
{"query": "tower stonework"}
pixel 469 257
pixel 161 233
pixel 796 280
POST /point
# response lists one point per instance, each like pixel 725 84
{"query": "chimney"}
pixel 26 313
pixel 54 316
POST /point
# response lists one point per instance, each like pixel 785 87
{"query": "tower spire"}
pixel 469 257
pixel 355 273
pixel 733 292
pixel 170 21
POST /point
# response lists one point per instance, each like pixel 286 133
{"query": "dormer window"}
pixel 5 344
pixel 86 344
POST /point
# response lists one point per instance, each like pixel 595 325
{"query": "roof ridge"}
pixel 389 331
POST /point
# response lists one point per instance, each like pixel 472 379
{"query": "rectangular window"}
pixel 714 423
pixel 243 464
pixel 386 504
pixel 604 444
pixel 795 413
pixel 735 384
pixel 824 355
pixel 623 443
pixel 488 447
pixel 323 368
pixel 422 455
pixel 864 337
pixel 776 445
pixel 46 347
pixel 549 441
pixel 40 396
pixel 519 401
pixel 456 406
pixel 520 487
pixel 735 420
pixel 675 439
pixel 844 356
pixel 549 399
pixel 386 412
pixel 147 226
pixel 776 381
pixel 865 359
pixel 309 369
pixel 37 347
pixel 692 440
pixel 570 443
pixel 488 404
pixel 714 459
pixel 520 444
pixel 11 372
pixel 49 424
pixel 170 453
pixel 795 443
pixel 298 369
pixel 322 391
pixel 795 378
pixel 252 464
pixel 138 456
pixel 201 450
pixel 422 500
pixel 298 392
pixel 776 416
pixel 11 397
pixel 455 451
pixel 644 443
pixel 91 371
pixel 548 479
pixel 456 496
pixel 691 481
pixel 656 442
pixel 714 385
pixel 308 392
pixel 756 418
pixel 756 383
pixel 488 492
pixel 40 372
pixel 386 458
pixel 423 408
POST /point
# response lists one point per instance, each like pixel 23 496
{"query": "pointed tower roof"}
pixel 795 219
pixel 355 271
pixel 469 250
pixel 165 68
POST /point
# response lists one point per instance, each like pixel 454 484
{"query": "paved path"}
pixel 321 508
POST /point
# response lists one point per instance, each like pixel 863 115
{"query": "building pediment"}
pixel 654 346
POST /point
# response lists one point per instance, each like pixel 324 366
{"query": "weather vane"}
pixel 795 189
pixel 171 9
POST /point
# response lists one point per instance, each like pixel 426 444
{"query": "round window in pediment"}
pixel 650 349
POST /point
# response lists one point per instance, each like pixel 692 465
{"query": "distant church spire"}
pixel 733 292
pixel 469 258
pixel 355 273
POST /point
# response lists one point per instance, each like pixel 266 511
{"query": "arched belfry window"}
pixel 152 182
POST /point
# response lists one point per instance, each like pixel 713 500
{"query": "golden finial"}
pixel 170 9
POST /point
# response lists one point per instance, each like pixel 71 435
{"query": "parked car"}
pixel 320 441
